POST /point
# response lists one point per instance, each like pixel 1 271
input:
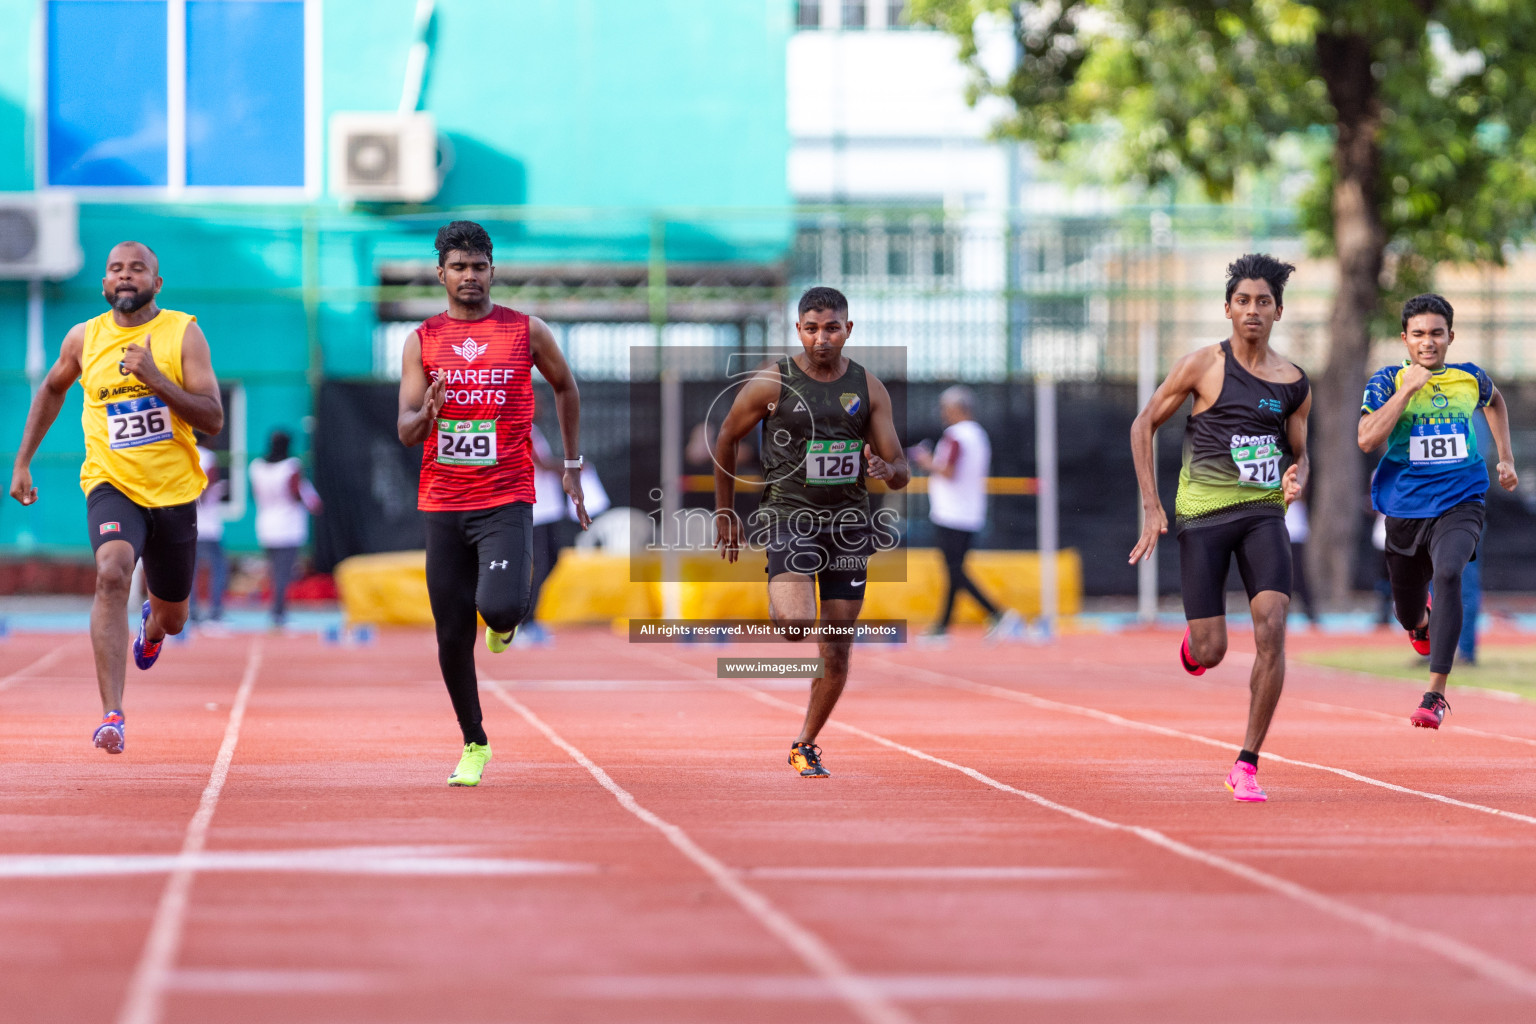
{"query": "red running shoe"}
pixel 1430 712
pixel 1419 637
pixel 1191 666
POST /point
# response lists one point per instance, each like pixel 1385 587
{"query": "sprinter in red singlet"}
pixel 465 391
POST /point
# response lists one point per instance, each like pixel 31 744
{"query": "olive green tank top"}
pixel 813 441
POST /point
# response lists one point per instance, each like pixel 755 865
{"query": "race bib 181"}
pixel 138 421
pixel 1258 465
pixel 1431 443
pixel 828 463
pixel 466 442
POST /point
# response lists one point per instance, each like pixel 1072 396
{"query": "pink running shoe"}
pixel 1419 637
pixel 1431 711
pixel 1243 781
pixel 1191 666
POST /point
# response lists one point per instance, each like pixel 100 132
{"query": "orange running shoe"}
pixel 805 758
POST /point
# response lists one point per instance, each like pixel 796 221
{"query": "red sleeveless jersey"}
pixel 479 454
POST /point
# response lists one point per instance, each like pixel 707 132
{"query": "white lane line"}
pixel 946 988
pixel 1398 720
pixel 43 662
pixel 925 874
pixel 274 982
pixel 1044 703
pixel 862 997
pixel 357 861
pixel 147 987
pixel 1454 950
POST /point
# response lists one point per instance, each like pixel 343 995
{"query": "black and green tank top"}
pixel 813 441
pixel 1236 452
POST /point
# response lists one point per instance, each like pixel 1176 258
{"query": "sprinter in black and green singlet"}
pixel 827 428
pixel 1245 459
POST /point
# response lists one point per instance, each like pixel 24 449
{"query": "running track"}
pixel 1012 833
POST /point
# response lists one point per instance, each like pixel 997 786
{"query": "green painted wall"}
pixel 589 115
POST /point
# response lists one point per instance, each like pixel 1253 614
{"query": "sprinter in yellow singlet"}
pixel 149 383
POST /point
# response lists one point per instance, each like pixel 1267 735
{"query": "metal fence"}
pixel 978 295
pixel 291 296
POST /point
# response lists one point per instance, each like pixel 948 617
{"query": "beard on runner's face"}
pixel 128 299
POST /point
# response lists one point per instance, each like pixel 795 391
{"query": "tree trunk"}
pixel 1359 243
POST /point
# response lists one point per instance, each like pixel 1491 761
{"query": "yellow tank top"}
pixel 132 439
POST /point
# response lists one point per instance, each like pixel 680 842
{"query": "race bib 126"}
pixel 1258 465
pixel 466 442
pixel 1431 443
pixel 138 421
pixel 828 463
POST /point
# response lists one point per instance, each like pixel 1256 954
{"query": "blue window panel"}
pixel 245 92
pixel 106 92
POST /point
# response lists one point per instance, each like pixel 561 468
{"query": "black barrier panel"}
pixel 365 476
pixel 368 479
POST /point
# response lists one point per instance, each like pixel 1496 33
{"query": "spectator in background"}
pixel 1472 575
pixel 957 504
pixel 1383 584
pixel 552 507
pixel 210 537
pixel 1296 522
pixel 1472 606
pixel 284 501
pixel 548 511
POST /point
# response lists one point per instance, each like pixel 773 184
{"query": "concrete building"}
pixel 593 133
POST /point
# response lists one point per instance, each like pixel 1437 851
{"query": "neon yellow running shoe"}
pixel 497 642
pixel 476 757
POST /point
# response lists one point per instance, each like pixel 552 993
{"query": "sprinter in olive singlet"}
pixel 827 427
pixel 1245 460
pixel 149 382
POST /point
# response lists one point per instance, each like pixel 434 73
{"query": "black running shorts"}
pixel 835 553
pixel 1260 543
pixel 165 538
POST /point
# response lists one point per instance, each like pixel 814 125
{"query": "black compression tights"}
pixel 1448 554
pixel 482 560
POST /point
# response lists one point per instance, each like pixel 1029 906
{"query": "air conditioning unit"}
pixel 39 236
pixel 384 157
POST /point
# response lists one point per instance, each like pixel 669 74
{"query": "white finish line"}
pixel 382 860
pixel 925 874
pixel 147 986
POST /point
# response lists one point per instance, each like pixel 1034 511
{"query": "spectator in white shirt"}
pixel 957 504
pixel 548 511
pixel 284 501
pixel 1297 524
pixel 210 537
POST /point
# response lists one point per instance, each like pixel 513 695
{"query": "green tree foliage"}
pixel 1425 110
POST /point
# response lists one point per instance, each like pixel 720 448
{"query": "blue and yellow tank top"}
pixel 132 439
pixel 1432 462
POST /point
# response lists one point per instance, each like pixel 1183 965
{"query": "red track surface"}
pixel 1081 867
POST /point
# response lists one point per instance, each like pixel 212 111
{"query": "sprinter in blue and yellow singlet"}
pixel 1431 481
pixel 149 382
